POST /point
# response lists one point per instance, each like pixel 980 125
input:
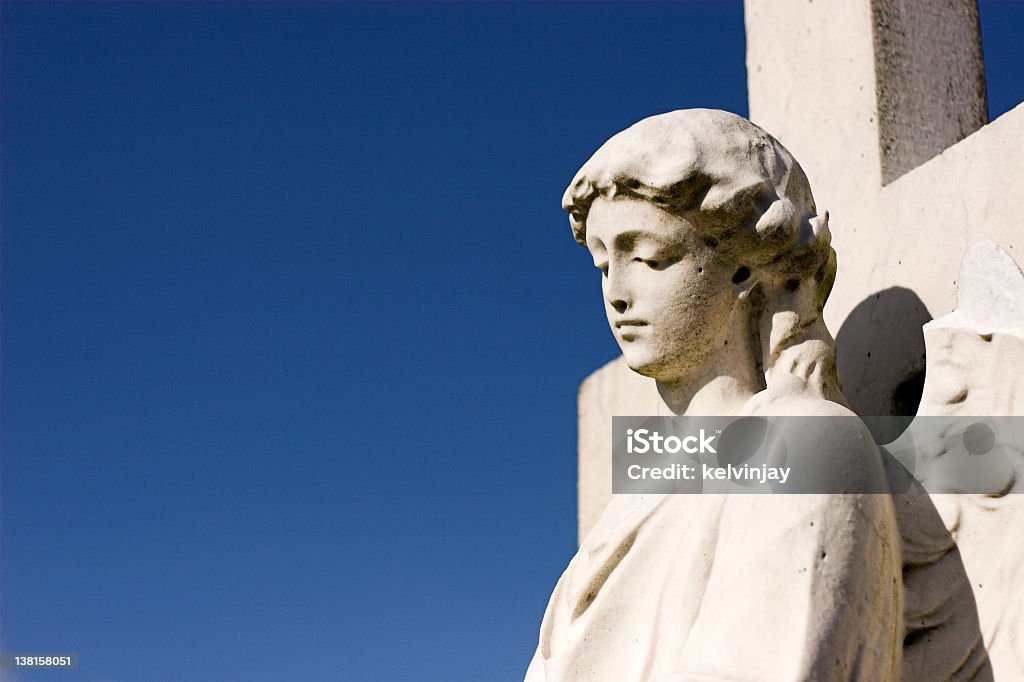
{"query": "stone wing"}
pixel 975 372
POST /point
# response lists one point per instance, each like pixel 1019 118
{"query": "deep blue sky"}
pixel 293 323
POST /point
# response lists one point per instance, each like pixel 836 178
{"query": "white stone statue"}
pixel 715 267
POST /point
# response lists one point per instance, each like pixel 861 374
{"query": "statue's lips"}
pixel 628 329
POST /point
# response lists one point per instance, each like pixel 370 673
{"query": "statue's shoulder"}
pixel 769 403
pixel 827 446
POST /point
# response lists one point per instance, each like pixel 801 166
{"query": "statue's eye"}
pixel 603 267
pixel 654 264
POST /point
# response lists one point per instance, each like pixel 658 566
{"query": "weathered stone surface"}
pixel 863 91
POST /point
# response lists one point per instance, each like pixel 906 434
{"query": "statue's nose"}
pixel 616 291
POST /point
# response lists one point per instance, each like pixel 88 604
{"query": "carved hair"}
pixel 750 200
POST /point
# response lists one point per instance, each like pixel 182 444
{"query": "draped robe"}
pixel 773 588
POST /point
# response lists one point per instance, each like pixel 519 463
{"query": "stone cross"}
pixel 884 104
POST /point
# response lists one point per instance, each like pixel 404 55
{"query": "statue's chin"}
pixel 655 366
pixel 644 371
pixel 645 366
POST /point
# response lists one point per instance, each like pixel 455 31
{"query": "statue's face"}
pixel 668 295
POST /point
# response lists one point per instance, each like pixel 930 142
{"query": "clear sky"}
pixel 293 322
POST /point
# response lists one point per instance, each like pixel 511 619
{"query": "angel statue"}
pixel 715 266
